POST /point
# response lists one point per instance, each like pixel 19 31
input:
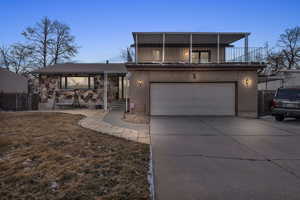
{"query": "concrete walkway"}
pixel 114 117
pixel 112 125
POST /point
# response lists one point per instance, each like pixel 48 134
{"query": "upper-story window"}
pixel 156 55
pixel 201 56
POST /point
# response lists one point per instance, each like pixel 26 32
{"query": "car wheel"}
pixel 279 118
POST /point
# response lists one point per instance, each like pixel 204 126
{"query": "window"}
pixel 156 55
pixel 77 82
pixel 195 57
pixel 186 54
pixel 204 56
pixel 201 56
pixel 288 93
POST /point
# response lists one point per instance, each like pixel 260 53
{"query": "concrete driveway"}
pixel 225 158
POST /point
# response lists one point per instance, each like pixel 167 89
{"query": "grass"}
pixel 48 156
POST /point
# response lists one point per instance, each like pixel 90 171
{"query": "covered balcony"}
pixel 194 48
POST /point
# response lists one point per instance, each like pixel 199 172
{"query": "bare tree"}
pixel 20 58
pixel 52 42
pixel 63 47
pixel 40 37
pixel 4 57
pixel 126 55
pixel 290 43
pixel 276 60
pixel 16 57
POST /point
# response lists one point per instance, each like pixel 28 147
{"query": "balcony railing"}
pixel 229 55
pixel 240 54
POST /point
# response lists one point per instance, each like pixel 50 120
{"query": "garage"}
pixel 206 99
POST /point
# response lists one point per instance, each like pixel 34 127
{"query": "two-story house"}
pixel 197 73
pixel 172 73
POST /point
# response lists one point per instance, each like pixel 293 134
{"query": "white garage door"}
pixel 215 99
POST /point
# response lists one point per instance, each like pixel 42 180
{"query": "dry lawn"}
pixel 48 156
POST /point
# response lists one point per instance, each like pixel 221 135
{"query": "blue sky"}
pixel 103 27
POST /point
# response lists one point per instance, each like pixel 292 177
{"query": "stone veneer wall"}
pixel 51 93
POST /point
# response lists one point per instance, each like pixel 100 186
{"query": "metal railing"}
pixel 239 54
pixel 227 55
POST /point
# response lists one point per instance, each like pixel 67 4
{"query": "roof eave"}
pixel 198 66
pixel 199 33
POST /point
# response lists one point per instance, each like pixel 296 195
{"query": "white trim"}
pixel 246 49
pixel 163 49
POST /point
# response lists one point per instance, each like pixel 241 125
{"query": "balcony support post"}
pixel 218 48
pixel 191 48
pixel 136 48
pixel 246 48
pixel 163 47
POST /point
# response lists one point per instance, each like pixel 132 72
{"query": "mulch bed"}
pixel 48 156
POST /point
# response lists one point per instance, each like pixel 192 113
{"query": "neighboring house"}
pixel 284 78
pixel 60 83
pixel 12 83
pixel 13 91
pixel 269 82
pixel 193 74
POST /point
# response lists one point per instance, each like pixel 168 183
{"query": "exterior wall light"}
pixel 247 82
pixel 139 83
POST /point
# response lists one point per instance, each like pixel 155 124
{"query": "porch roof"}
pixel 183 38
pixel 83 68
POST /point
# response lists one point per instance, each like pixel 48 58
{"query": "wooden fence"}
pixel 18 101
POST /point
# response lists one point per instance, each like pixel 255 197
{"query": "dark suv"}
pixel 286 103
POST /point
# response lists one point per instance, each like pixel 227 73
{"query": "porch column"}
pixel 105 91
pixel 218 48
pixel 119 87
pixel 122 80
pixel 136 48
pixel 246 48
pixel 163 48
pixel 191 48
pixel 126 93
